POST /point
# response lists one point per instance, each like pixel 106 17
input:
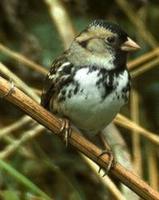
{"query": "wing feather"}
pixel 60 67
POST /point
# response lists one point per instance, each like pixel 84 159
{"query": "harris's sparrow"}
pixel 89 82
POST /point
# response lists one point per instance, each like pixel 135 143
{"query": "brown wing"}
pixel 52 79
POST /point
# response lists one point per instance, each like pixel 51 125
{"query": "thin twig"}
pixel 21 58
pixel 147 66
pixel 137 156
pixel 28 135
pixel 105 180
pixel 62 21
pixel 137 22
pixel 122 155
pixel 127 123
pixel 4 70
pixel 23 180
pixel 23 121
pixel 143 58
pixel 44 117
pixel 15 126
pixel 22 150
pixel 152 163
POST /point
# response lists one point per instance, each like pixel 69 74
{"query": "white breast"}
pixel 87 110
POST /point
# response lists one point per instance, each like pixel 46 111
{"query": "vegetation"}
pixel 36 165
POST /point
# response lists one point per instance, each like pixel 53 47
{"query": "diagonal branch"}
pixel 45 118
pixel 21 58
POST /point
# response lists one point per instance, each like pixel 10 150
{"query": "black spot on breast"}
pixel 125 91
pixel 126 88
pixel 100 81
pixel 63 92
pixel 61 98
pixel 76 85
pixel 69 94
pixel 92 69
pixel 62 95
pixel 76 89
pixel 105 80
pixel 108 90
pixel 63 82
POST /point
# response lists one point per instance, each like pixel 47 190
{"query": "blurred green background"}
pixel 32 29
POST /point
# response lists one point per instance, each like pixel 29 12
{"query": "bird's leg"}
pixel 9 91
pixel 65 130
pixel 108 151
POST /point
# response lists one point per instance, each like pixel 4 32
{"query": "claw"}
pixel 65 130
pixel 9 91
pixel 111 161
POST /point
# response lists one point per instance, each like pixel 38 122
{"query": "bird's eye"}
pixel 111 40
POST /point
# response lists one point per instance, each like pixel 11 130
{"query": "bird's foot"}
pixel 66 130
pixel 111 163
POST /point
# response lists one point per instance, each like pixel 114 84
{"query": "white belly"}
pixel 86 109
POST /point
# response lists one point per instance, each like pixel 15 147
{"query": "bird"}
pixel 89 82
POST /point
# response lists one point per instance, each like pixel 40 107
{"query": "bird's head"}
pixel 103 43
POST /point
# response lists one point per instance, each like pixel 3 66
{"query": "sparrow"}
pixel 89 82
